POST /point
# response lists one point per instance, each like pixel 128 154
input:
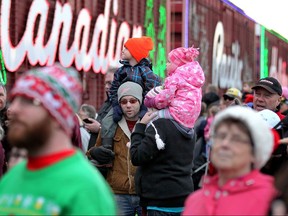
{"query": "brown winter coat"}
pixel 121 175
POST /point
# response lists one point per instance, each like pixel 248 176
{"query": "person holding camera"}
pixel 94 125
pixel 85 114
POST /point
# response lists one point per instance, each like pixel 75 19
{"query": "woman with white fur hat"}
pixel 242 144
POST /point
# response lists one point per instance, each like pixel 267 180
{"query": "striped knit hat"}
pixel 57 88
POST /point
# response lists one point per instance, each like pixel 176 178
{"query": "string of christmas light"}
pixel 3 77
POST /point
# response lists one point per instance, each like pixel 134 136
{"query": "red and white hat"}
pixel 57 88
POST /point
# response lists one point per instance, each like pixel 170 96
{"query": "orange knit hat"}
pixel 139 47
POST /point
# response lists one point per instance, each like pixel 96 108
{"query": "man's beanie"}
pixel 139 47
pixel 182 55
pixel 260 132
pixel 130 89
pixel 271 84
pixel 57 88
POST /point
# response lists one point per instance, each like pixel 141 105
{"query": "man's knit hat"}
pixel 130 89
pixel 182 55
pixel 57 88
pixel 260 132
pixel 139 47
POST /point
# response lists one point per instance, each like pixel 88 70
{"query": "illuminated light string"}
pixel 159 58
pixel 3 77
pixel 264 69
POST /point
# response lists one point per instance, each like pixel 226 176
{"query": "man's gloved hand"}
pixel 102 155
pixel 117 113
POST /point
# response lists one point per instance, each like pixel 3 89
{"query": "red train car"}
pixel 86 34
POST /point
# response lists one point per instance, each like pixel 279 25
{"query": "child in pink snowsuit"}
pixel 180 97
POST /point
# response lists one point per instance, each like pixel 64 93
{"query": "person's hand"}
pixel 93 127
pixel 102 155
pixel 148 117
pixel 284 141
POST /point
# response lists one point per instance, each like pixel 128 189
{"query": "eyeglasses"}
pixel 131 101
pixel 228 98
pixel 233 139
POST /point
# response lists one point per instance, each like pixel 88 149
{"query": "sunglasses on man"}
pixel 226 97
pixel 131 101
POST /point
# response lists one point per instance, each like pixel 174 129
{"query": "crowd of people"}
pixel 177 146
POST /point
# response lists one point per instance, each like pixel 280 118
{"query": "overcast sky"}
pixel 273 14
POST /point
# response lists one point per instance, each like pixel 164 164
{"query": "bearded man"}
pixel 56 179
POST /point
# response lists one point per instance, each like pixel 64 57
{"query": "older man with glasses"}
pixel 267 95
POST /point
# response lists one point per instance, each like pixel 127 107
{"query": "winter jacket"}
pixel 182 94
pixel 103 111
pixel 248 195
pixel 163 177
pixel 141 73
pixel 121 176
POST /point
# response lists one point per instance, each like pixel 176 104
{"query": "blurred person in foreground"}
pixel 56 179
pixel 242 144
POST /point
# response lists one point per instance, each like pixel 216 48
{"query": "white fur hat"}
pixel 261 134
